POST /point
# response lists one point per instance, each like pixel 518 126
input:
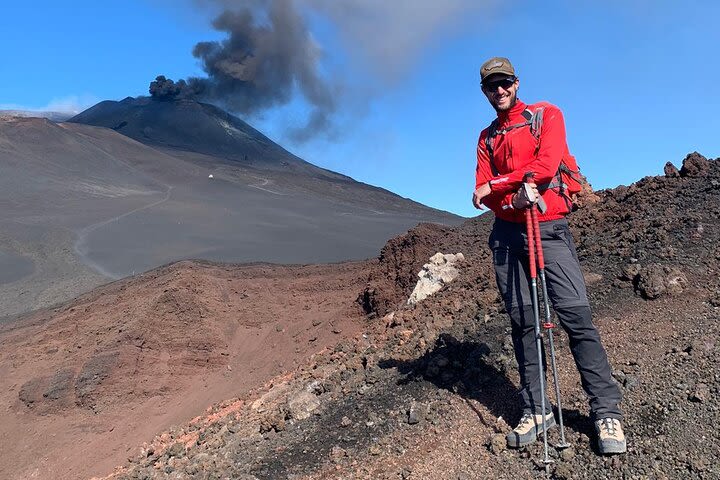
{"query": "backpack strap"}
pixel 554 183
pixel 557 181
pixel 492 132
pixel 535 120
pixel 532 119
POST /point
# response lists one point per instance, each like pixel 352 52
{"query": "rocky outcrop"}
pixel 694 165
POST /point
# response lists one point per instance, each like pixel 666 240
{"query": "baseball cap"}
pixel 496 65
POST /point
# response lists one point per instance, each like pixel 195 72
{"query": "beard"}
pixel 508 106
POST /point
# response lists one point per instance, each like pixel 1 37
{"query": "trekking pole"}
pixel 548 324
pixel 536 313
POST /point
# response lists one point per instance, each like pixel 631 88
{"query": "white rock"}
pixel 438 259
pixel 448 275
pixel 439 272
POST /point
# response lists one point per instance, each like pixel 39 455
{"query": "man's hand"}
pixel 481 192
pixel 521 200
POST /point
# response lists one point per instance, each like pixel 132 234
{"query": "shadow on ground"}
pixel 476 370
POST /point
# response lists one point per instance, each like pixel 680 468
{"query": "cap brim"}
pixel 497 76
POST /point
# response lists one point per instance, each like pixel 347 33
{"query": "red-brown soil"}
pixel 85 384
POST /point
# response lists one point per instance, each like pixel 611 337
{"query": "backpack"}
pixel 567 182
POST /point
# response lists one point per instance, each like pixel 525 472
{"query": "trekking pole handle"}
pixel 536 199
pixel 538 242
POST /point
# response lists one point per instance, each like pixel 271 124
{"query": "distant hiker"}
pixel 531 138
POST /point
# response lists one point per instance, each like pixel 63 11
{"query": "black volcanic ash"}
pixel 165 89
pixel 260 65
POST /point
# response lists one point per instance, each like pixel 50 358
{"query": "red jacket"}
pixel 518 152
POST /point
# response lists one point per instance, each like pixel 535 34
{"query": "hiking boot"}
pixel 528 429
pixel 611 438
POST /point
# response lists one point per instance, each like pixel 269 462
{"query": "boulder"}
pixel 694 165
pixel 440 271
pixel 656 280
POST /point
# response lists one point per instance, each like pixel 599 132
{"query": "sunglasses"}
pixel 505 83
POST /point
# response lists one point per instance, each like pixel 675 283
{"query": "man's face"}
pixel 501 91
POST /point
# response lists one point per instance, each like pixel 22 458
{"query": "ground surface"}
pixel 424 392
pixel 82 385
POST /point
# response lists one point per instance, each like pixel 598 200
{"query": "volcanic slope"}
pixel 197 127
pixel 428 392
pixel 209 136
pixel 84 204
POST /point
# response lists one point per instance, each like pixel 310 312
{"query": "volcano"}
pixel 196 127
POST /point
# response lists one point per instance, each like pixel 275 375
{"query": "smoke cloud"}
pixel 165 89
pixel 270 57
pixel 260 65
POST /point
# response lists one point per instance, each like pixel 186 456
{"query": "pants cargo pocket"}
pixel 566 285
pixel 501 265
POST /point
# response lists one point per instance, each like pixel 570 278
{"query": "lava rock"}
pixel 631 382
pixel 440 271
pixel 337 453
pixel 715 299
pixel 671 170
pixel 591 278
pixel 567 454
pixel 273 421
pixel 700 393
pixel 694 165
pixel 497 443
pixel 630 271
pixel 656 280
pixel 416 413
pixel 177 449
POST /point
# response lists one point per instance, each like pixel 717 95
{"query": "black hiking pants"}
pixel 566 289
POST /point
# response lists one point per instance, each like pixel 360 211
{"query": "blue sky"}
pixel 637 80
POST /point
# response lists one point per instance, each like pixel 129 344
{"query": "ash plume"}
pixel 268 57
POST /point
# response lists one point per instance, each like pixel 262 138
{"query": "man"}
pixel 503 160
